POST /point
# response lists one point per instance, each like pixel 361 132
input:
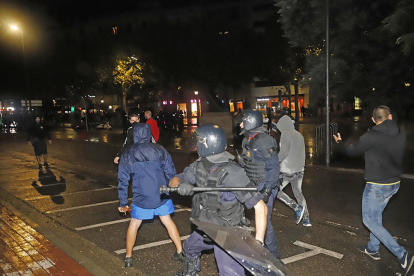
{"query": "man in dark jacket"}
pixel 383 148
pixel 150 166
pixel 215 168
pixel 129 140
pixel 261 163
pixel 36 136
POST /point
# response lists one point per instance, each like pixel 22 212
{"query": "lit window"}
pixel 115 29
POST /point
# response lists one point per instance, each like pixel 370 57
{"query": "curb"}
pixel 67 249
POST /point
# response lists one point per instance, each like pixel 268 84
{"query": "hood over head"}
pixel 142 133
pixel 285 123
pixel 388 127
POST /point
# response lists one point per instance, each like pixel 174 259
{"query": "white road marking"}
pixel 118 221
pixel 148 245
pixel 48 185
pixel 46 196
pixel 83 206
pixel 103 224
pixel 314 251
pixel 342 225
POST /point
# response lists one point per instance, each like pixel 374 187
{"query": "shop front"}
pixel 277 103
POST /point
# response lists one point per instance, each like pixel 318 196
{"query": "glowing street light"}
pixel 198 108
pixel 15 28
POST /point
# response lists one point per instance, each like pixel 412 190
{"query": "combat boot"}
pixel 191 267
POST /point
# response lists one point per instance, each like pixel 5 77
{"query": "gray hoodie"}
pixel 292 147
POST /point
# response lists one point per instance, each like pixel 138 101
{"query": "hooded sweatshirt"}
pixel 383 147
pixel 149 165
pixel 292 147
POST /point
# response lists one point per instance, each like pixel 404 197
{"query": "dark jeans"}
pixel 374 201
pixel 227 265
pixel 270 236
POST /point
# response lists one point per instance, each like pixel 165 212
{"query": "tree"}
pixel 128 73
pixel 401 25
pixel 364 61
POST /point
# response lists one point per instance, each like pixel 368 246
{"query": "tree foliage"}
pixel 364 60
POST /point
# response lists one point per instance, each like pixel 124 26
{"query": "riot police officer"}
pixel 215 168
pixel 259 159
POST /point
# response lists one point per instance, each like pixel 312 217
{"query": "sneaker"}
pixel 406 263
pixel 376 255
pixel 178 256
pixel 306 222
pixel 128 261
pixel 40 167
pixel 46 165
pixel 299 213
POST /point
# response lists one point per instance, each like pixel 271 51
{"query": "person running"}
pixel 37 136
pixel 129 140
pixel 383 147
pixel 150 166
pixel 292 165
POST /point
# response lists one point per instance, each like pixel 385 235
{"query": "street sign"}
pixel 33 102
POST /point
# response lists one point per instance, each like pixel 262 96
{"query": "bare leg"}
pixel 45 158
pixel 39 160
pixel 172 231
pixel 132 235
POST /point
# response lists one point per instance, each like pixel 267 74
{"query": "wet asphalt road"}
pixel 83 174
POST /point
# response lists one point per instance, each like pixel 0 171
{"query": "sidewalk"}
pixel 23 251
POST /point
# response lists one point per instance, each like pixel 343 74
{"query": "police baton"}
pixel 164 189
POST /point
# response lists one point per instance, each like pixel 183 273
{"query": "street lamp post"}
pixel 15 28
pixel 198 108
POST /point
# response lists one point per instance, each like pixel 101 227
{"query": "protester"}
pixel 292 165
pixel 37 136
pixel 129 140
pixel 269 117
pixel 215 168
pixel 153 124
pixel 383 147
pixel 151 167
pixel 259 159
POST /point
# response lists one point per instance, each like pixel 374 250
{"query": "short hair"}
pixel 134 115
pixel 149 112
pixel 381 113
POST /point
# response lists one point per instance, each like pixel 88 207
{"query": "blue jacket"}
pixel 149 165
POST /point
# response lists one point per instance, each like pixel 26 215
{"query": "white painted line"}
pixel 117 221
pixel 319 249
pixel 102 224
pixel 342 225
pixel 83 206
pixel 48 185
pixel 46 196
pixel 300 257
pixel 148 245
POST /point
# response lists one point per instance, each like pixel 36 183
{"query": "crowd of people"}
pixel 263 164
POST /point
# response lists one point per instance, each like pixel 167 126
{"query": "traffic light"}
pixel 72 109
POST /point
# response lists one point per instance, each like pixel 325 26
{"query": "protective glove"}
pixel 185 189
pixel 240 160
pixel 266 192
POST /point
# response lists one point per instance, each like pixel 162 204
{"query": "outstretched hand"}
pixel 337 137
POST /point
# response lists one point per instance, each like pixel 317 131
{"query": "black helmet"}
pixel 210 139
pixel 251 119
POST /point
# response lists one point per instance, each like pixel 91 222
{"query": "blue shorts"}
pixel 142 214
